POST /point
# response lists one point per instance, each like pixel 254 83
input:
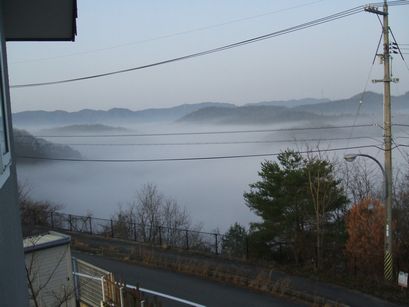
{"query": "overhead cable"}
pixel 299 27
pixel 191 158
pixel 197 133
pixel 171 34
pixel 221 142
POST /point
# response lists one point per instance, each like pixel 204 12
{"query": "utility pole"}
pixel 388 259
pixel 388 255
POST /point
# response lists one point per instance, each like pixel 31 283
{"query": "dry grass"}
pixel 185 263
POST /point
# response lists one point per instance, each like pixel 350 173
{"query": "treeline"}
pixel 149 218
pixel 324 216
pixel 27 145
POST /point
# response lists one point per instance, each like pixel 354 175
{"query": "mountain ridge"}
pixel 90 116
pixel 27 145
pixel 218 112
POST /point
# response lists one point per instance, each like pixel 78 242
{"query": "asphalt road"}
pixel 183 286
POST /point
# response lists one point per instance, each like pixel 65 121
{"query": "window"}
pixel 4 133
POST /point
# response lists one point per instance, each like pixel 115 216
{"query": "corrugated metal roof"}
pixel 47 240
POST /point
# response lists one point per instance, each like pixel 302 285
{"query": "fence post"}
pixel 76 279
pixel 70 221
pixel 90 225
pixel 247 247
pixel 112 229
pixel 187 238
pixel 216 249
pixel 355 268
pixel 103 288
pixel 52 219
pixel 160 235
pixel 121 296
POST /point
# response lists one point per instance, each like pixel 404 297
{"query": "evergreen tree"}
pixel 234 241
pixel 287 199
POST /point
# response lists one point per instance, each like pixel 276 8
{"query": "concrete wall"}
pixel 13 286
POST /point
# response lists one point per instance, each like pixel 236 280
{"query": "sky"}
pixel 331 60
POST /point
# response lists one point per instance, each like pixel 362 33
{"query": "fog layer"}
pixel 211 190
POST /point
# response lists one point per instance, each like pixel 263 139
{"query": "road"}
pixel 184 286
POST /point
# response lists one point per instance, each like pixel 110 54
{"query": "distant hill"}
pixel 28 145
pixel 290 103
pixel 92 128
pixel 275 112
pixel 247 115
pixel 112 116
pixel 215 112
pixel 371 104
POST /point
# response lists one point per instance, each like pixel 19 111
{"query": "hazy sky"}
pixel 331 60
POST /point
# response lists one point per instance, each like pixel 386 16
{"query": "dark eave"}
pixel 40 20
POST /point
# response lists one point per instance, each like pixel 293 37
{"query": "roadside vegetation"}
pixel 319 217
pixel 152 217
pixel 325 219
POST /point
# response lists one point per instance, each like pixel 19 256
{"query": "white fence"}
pixel 88 282
pixel 92 289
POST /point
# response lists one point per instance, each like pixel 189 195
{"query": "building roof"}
pixel 46 240
pixel 40 20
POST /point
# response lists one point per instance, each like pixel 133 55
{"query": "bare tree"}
pixel 153 217
pixel 327 196
pixel 360 180
pixel 146 211
pixel 33 213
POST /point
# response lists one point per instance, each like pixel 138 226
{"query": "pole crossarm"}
pixel 373 9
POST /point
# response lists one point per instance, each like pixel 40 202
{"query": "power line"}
pixel 219 143
pixel 400 125
pixel 197 133
pixel 299 27
pixel 400 151
pixel 171 34
pixel 191 158
pixel 393 3
pixel 402 145
pixel 399 49
pixel 361 100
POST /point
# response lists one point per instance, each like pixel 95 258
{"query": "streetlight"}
pixel 388 263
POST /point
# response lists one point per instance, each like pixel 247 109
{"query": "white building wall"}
pixel 50 272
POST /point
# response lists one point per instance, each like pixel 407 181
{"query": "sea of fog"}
pixel 211 190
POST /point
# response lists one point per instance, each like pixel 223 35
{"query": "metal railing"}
pixel 95 285
pixel 88 290
pixel 171 237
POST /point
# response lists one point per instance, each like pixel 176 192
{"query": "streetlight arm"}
pixel 351 157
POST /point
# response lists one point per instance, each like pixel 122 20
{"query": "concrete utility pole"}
pixel 388 256
pixel 388 259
